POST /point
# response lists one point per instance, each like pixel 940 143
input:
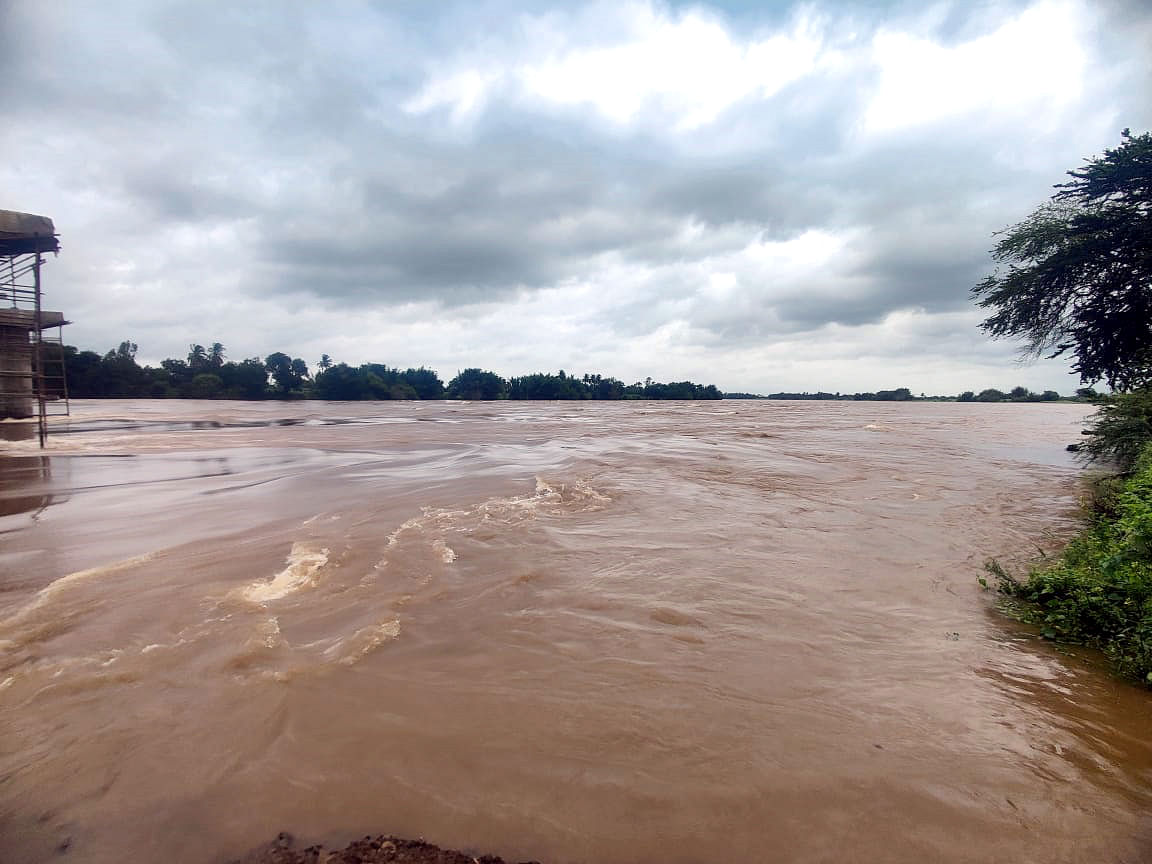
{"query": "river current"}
pixel 577 632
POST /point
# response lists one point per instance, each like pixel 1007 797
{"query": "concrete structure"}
pixel 25 386
pixel 17 360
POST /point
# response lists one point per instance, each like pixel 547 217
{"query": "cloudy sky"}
pixel 760 195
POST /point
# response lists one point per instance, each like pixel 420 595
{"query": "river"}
pixel 577 632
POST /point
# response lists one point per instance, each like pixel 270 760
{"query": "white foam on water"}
pixel 363 642
pixel 49 596
pixel 414 522
pixel 269 632
pixel 304 562
pixel 163 646
pixel 447 553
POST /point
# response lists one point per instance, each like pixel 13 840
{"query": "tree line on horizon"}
pixel 206 373
pixel 904 394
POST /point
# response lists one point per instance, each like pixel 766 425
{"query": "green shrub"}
pixel 1120 429
pixel 1100 590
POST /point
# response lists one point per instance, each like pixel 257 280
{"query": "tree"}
pixel 197 358
pixel 178 371
pixel 288 373
pixel 118 375
pixel 205 386
pixel 1120 431
pixel 1079 271
pixel 124 351
pixel 325 363
pixel 245 380
pixel 216 355
pixel 425 382
pixel 341 382
pixel 477 385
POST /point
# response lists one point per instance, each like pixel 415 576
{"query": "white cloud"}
pixel 464 93
pixel 1027 70
pixel 685 68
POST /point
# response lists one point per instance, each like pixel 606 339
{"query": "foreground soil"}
pixel 369 850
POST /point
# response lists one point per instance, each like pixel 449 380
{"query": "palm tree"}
pixel 325 363
pixel 197 357
pixel 216 355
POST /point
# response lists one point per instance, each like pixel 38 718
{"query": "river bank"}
pixel 1099 590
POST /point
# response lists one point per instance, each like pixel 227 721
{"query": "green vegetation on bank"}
pixel 1079 282
pixel 1099 591
pixel 206 374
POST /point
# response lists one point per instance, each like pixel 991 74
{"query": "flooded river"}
pixel 618 632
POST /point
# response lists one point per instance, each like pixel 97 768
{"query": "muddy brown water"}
pixel 636 632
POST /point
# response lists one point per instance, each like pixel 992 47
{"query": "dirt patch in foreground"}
pixel 370 850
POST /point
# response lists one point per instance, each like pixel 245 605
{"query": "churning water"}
pixel 615 632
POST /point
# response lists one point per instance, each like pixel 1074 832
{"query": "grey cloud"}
pixel 284 123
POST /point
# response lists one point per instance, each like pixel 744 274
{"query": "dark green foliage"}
pixel 205 386
pixel 562 386
pixel 377 381
pixel 1079 271
pixel 117 375
pixel 476 384
pixel 1100 590
pixel 1120 429
pixel 120 377
pixel 83 373
pixel 197 358
pixel 903 394
pixel 342 382
pixel 288 373
pixel 900 394
pixel 245 380
pixel 819 396
pixel 425 383
pixel 672 390
pixel 205 374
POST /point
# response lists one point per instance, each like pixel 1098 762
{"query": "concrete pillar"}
pixel 17 387
pixel 16 392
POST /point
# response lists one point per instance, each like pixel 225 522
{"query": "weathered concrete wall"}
pixel 15 374
pixel 16 391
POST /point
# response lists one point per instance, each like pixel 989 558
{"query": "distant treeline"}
pixel 206 374
pixel 903 394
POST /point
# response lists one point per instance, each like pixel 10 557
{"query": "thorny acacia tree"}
pixel 1078 279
